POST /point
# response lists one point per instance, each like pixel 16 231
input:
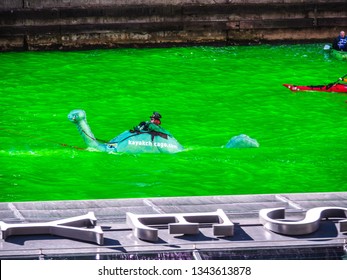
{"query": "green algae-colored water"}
pixel 206 95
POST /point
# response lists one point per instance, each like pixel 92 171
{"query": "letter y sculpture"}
pixel 80 228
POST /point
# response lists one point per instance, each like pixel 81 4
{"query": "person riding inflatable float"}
pixel 147 137
pixel 152 125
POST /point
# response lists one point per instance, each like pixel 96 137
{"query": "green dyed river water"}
pixel 206 95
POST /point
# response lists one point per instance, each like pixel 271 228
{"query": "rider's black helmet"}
pixel 155 115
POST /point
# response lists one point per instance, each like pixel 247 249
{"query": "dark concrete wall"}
pixel 70 24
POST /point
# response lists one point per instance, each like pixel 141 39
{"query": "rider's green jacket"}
pixel 148 126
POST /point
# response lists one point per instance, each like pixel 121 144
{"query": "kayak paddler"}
pixel 153 125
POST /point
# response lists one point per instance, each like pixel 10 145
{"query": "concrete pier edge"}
pixel 90 24
pixel 242 210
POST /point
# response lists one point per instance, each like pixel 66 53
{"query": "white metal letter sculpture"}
pixel 80 228
pixel 180 223
pixel 269 218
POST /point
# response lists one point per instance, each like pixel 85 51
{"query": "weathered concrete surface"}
pixel 71 24
pixel 119 241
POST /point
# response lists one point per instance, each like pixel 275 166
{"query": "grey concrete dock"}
pixel 249 241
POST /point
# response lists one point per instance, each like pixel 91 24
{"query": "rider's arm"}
pixel 157 128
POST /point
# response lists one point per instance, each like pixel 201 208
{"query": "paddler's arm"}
pixel 140 127
pixel 157 128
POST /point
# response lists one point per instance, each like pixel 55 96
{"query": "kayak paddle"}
pixel 332 84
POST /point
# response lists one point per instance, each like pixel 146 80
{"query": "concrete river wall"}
pixel 76 24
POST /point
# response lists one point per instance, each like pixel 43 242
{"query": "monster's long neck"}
pixel 88 136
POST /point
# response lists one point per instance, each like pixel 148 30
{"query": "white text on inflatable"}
pixel 152 144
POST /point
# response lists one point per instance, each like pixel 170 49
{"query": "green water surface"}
pixel 206 95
